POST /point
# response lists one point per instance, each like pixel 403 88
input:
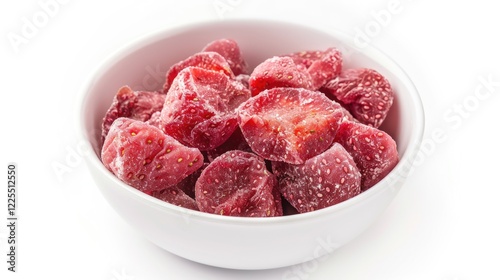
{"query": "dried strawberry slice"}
pixel 200 108
pixel 230 50
pixel 373 150
pixel 323 66
pixel 144 157
pixel 206 60
pixel 176 196
pixel 237 184
pixel 278 72
pixel 288 124
pixel 137 105
pixel 322 181
pixel 364 92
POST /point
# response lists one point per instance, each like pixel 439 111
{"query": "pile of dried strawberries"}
pixel 296 134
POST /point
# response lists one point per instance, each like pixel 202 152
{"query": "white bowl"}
pixel 233 242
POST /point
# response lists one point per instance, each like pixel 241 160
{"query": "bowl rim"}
pixel 385 184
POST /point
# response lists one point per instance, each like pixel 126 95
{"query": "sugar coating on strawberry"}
pixel 279 72
pixel 322 181
pixel 230 50
pixel 364 92
pixel 206 60
pixel 145 158
pixel 200 108
pixel 373 150
pixel 176 196
pixel 323 66
pixel 289 124
pixel 237 184
pixel 137 105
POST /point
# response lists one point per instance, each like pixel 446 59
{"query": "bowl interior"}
pixel 142 65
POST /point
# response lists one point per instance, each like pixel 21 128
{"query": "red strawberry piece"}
pixel 137 105
pixel 322 181
pixel 145 158
pixel 200 108
pixel 289 124
pixel 323 66
pixel 373 150
pixel 364 92
pixel 278 72
pixel 206 60
pixel 230 50
pixel 176 196
pixel 237 184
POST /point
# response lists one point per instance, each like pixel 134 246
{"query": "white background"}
pixel 443 225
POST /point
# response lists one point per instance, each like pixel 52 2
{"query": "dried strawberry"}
pixel 322 181
pixel 176 196
pixel 373 150
pixel 144 157
pixel 278 72
pixel 206 60
pixel 364 92
pixel 323 66
pixel 237 184
pixel 230 50
pixel 137 105
pixel 200 108
pixel 289 124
